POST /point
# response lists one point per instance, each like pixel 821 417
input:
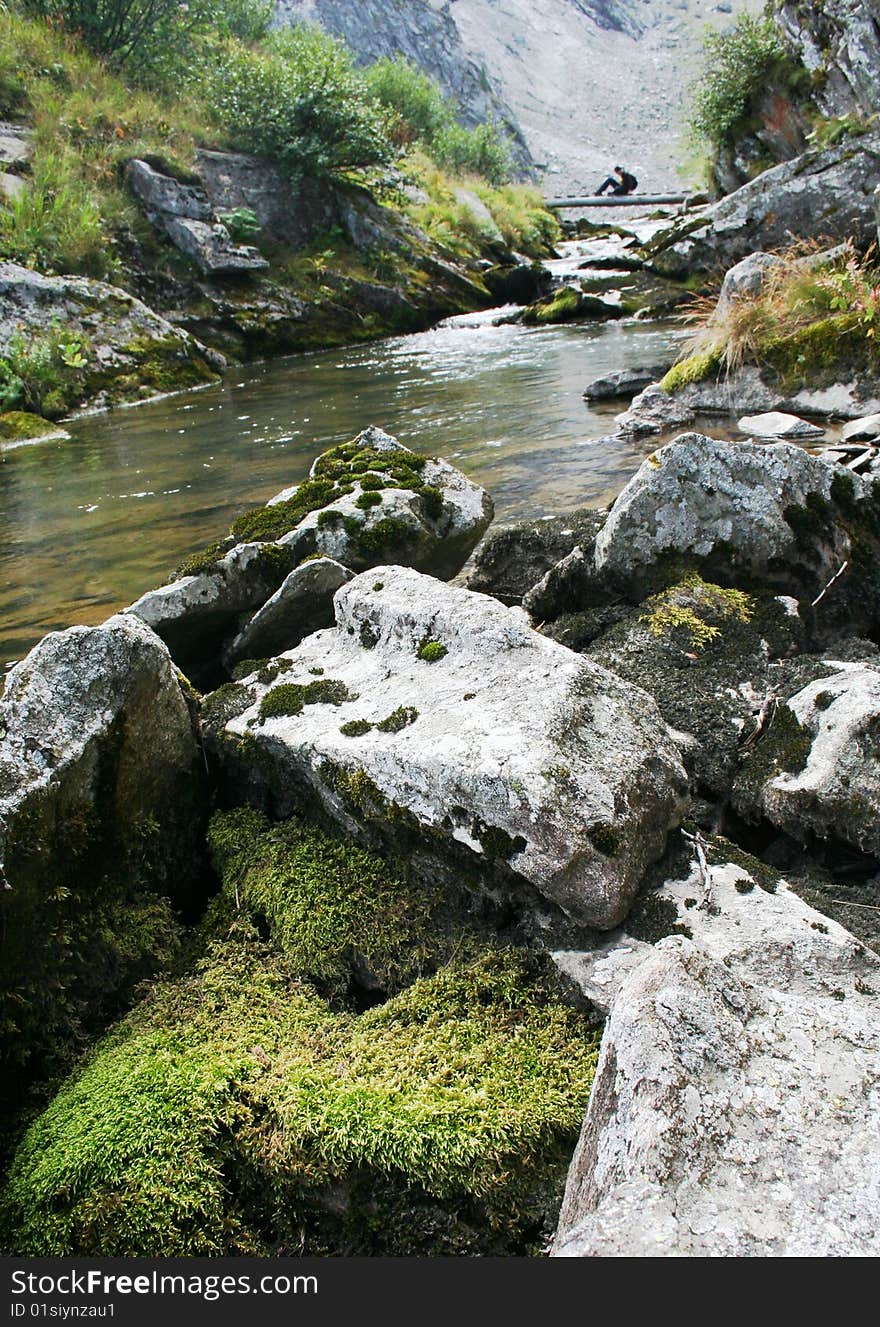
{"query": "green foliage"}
pixel 242 223
pixel 41 374
pixel 697 608
pixel 291 697
pixel 215 1116
pixel 365 501
pixel 55 224
pixel 146 33
pixel 356 728
pixel 432 651
pixel 422 114
pixel 738 65
pixel 433 501
pixel 300 102
pixel 399 719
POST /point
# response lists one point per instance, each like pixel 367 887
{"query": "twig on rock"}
pixel 702 866
pixel 837 575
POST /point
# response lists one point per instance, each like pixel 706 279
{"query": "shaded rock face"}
pixel 512 559
pixel 838 43
pixel 734 1110
pixel 303 603
pixel 266 590
pixel 102 806
pixel 624 383
pixel 822 775
pixel 819 195
pixel 437 717
pixel 288 214
pixel 132 351
pixel 195 615
pixel 710 660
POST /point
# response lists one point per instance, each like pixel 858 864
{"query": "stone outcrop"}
pixel 436 714
pixel 16 151
pixel 130 351
pixel 838 44
pixel 185 213
pixel 734 1111
pixel 624 383
pixel 821 195
pixel 101 811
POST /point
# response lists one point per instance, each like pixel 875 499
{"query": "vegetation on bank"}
pixel 812 319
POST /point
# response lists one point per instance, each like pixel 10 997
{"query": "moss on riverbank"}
pixel 236 1112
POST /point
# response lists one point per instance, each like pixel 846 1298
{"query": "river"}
pixel 91 522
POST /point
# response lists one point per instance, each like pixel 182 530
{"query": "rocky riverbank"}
pixel 436 870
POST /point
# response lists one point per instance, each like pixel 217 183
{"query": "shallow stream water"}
pixel 89 523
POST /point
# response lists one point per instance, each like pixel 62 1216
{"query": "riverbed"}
pixel 91 522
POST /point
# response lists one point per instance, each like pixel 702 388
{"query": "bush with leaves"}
pixel 300 101
pixel 738 65
pixel 422 114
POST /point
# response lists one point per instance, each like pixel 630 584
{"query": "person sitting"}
pixel 623 184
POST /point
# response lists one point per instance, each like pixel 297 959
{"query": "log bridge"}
pixel 684 201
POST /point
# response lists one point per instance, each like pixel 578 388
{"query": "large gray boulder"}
pixel 825 195
pixel 734 1111
pixel 102 794
pixel 438 714
pixel 838 43
pixel 735 504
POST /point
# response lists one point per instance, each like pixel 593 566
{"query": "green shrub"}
pixel 301 102
pixel 219 1116
pixel 423 114
pixel 41 374
pixel 738 65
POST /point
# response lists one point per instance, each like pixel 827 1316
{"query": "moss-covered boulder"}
pixel 102 797
pixel 368 501
pixel 105 346
pixel 236 1112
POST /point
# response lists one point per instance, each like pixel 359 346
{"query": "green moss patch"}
pixel 696 610
pixel 432 651
pixel 696 368
pixel 290 697
pixel 222 1115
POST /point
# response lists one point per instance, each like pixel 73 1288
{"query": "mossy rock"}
pixel 236 1112
pixel 19 426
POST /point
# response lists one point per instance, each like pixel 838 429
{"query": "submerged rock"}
pixel 102 790
pixel 624 383
pixel 436 714
pixel 734 1111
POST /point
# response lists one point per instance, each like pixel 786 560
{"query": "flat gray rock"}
pixel 303 603
pixel 866 429
pixel 778 424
